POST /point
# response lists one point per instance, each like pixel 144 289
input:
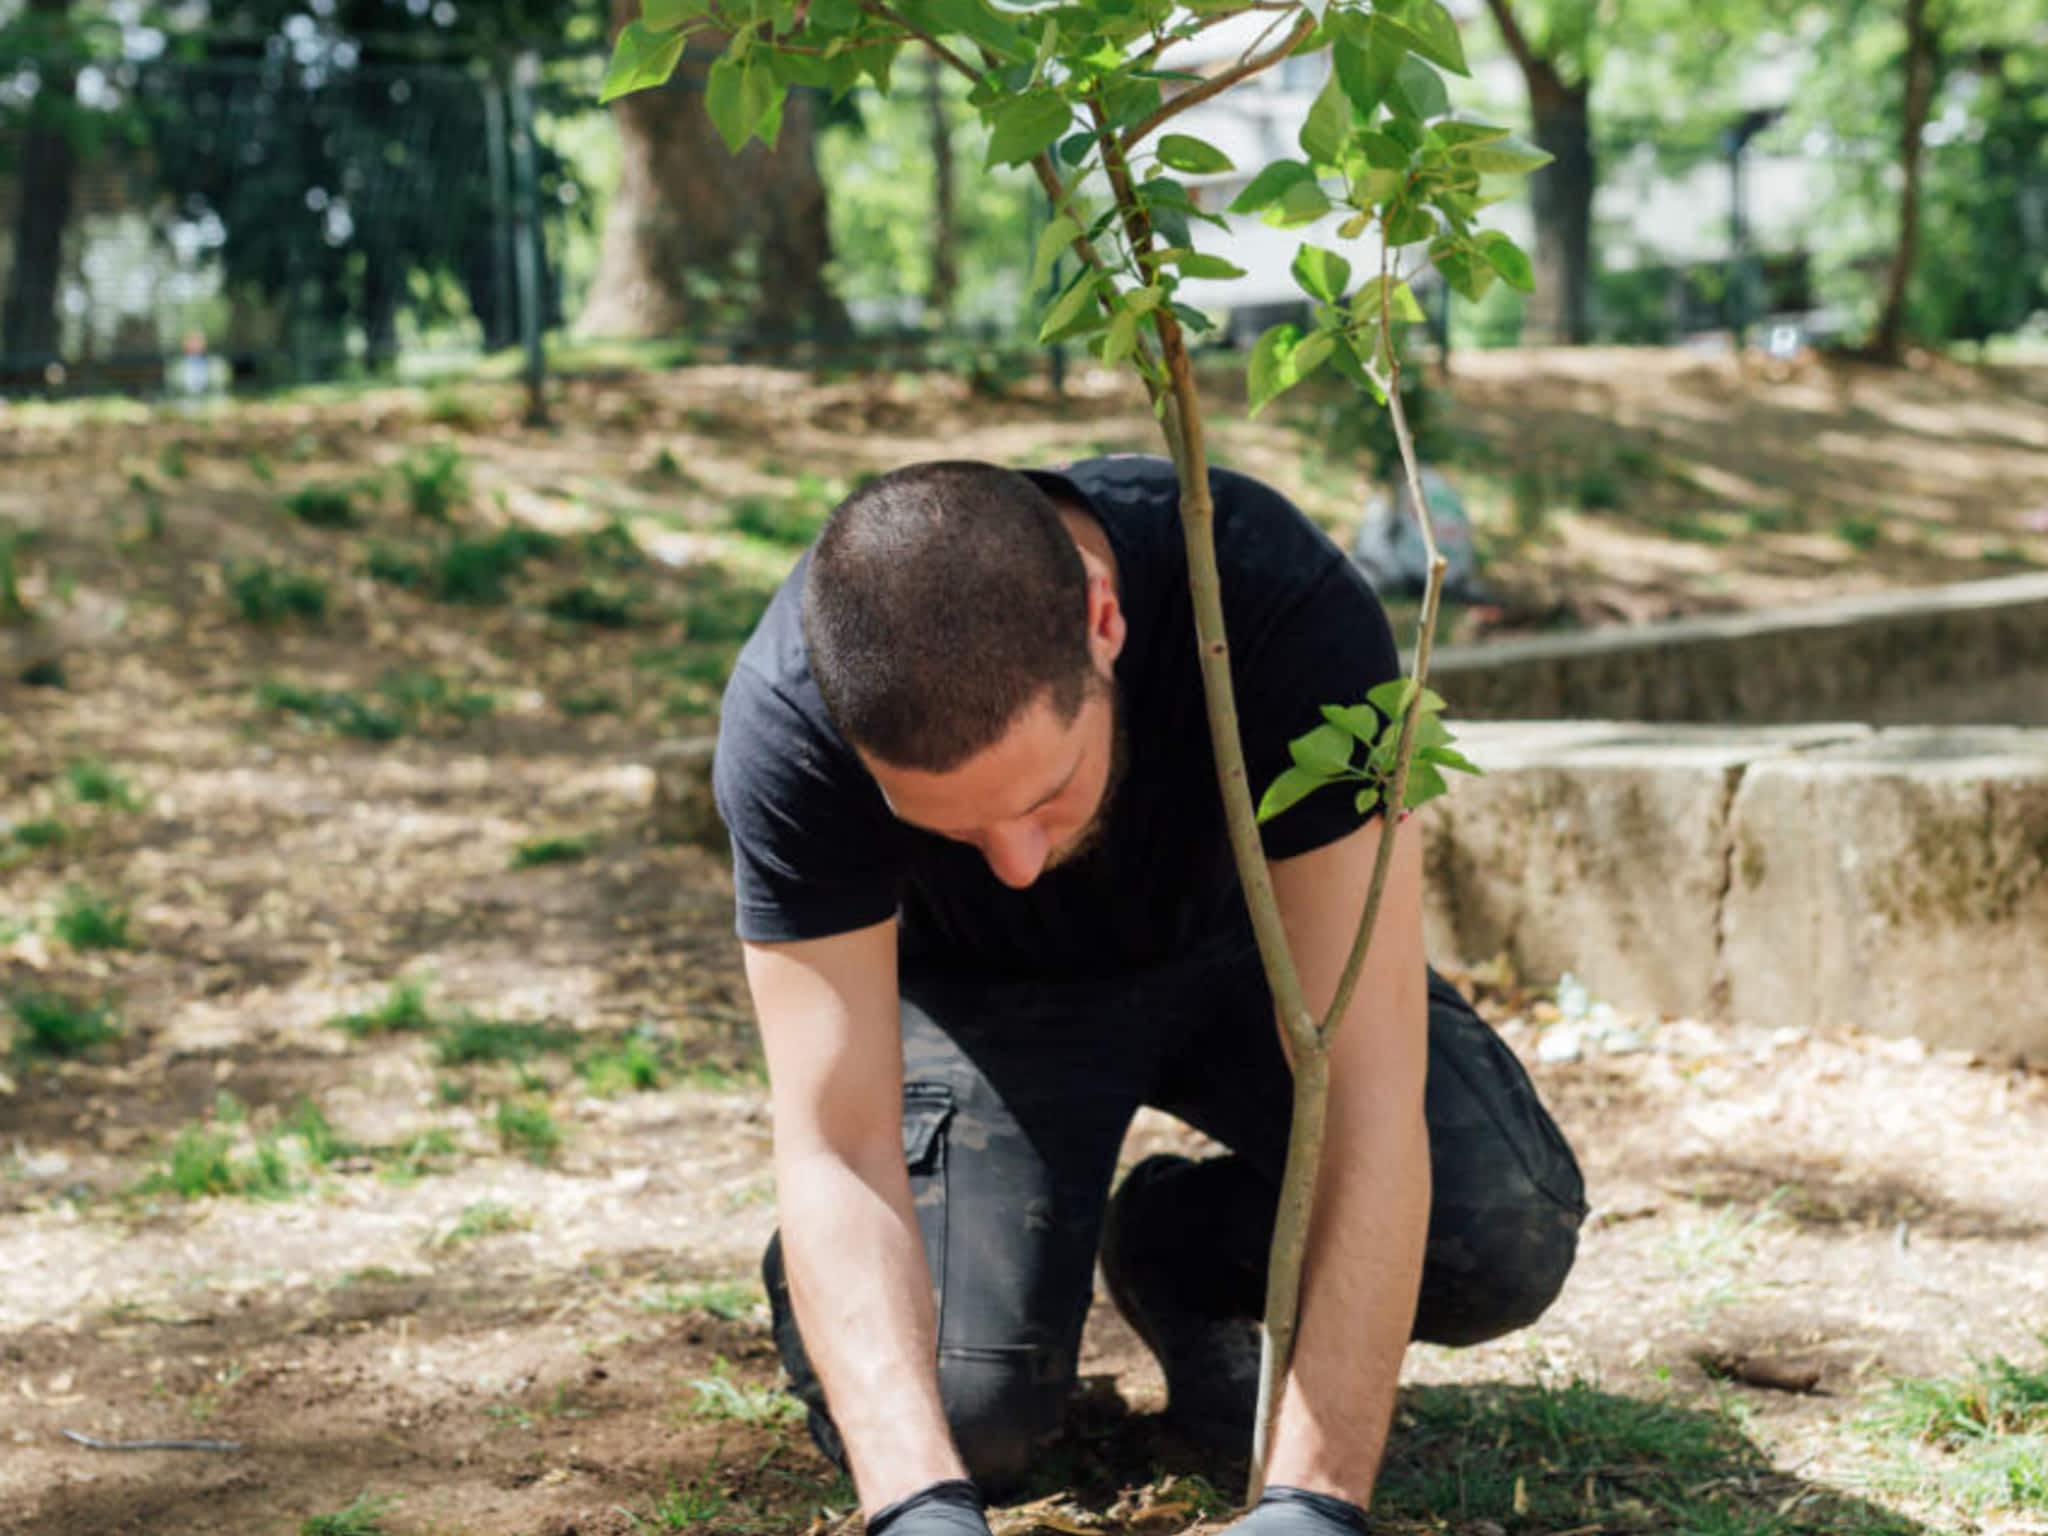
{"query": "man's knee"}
pixel 1002 1406
pixel 1495 1273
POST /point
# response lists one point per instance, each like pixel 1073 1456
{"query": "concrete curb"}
pixel 1974 651
pixel 1894 881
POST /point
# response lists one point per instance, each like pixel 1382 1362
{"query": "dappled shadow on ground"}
pixel 1812 1193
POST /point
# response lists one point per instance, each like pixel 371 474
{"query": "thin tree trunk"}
pixel 686 205
pixel 945 262
pixel 28 320
pixel 1923 49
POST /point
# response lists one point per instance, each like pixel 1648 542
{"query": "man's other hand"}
pixel 951 1508
pixel 1298 1512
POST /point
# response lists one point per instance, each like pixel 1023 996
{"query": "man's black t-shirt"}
pixel 817 852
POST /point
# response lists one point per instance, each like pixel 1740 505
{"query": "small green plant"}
pixel 1599 488
pixel 1776 517
pixel 52 1025
pixel 12 606
pixel 323 506
pixel 719 1396
pixel 436 481
pixel 45 832
pixel 553 850
pixel 2005 554
pixel 694 1505
pixel 485 1218
pixel 364 1516
pixel 1324 755
pixel 1529 496
pixel 266 594
pixel 476 571
pixel 315 1133
pixel 792 522
pixel 468 1038
pixel 1981 1438
pixel 528 1128
pixel 615 546
pixel 729 1300
pixel 395 568
pixel 202 1161
pixel 635 1067
pixel 426 693
pixel 417 1156
pixel 404 1010
pixel 261 468
pixel 1859 532
pixel 596 701
pixel 1695 529
pixel 170 460
pixel 586 604
pixel 452 408
pixel 87 921
pixel 94 783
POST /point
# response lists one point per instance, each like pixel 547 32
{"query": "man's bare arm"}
pixel 828 1010
pixel 1364 1261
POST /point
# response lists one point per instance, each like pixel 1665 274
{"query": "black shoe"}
pixel 1152 1248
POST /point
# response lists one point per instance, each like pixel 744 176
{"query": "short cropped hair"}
pixel 942 600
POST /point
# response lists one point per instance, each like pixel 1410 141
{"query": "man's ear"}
pixel 1106 628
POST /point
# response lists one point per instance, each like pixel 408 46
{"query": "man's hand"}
pixel 1298 1512
pixel 950 1508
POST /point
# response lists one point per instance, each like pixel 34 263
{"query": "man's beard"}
pixel 1090 836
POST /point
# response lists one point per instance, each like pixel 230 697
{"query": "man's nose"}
pixel 1016 852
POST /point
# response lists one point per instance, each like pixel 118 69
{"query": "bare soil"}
pixel 1771 1205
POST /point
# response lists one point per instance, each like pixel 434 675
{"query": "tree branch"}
pixel 881 12
pixel 1517 40
pixel 1221 83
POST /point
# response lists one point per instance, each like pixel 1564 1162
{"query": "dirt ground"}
pixel 506 1344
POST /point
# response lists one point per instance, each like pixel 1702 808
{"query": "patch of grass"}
pixel 553 850
pixel 427 693
pixel 315 1133
pixel 364 1516
pixel 528 1128
pixel 266 594
pixel 586 604
pixel 718 1396
pixel 12 604
pixel 485 1218
pixel 87 921
pixel 45 832
pixel 341 710
pixel 476 571
pixel 468 1038
pixel 94 783
pixel 395 568
pixel 790 522
pixel 447 407
pixel 688 1508
pixel 202 1161
pixel 323 506
pixel 436 481
pixel 635 1067
pixel 596 701
pixel 171 460
pixel 614 545
pixel 261 468
pixel 1775 518
pixel 2006 554
pixel 729 1300
pixel 1859 532
pixel 1979 1440
pixel 1598 488
pixel 53 1025
pixel 1694 529
pixel 417 1156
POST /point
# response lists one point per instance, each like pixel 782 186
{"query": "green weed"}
pixel 315 1133
pixel 469 1038
pixel 2005 554
pixel 362 1517
pixel 615 546
pixel 485 1218
pixel 687 1508
pixel 171 461
pixel 395 568
pixel 529 1129
pixel 1598 488
pixel 452 408
pixel 322 506
pixel 266 594
pixel 1694 530
pixel 436 481
pixel 728 1300
pixel 51 1025
pixel 94 783
pixel 633 1068
pixel 1859 532
pixel 553 850
pixel 476 571
pixel 1980 1439
pixel 792 522
pixel 87 921
pixel 586 604
pixel 341 710
pixel 261 468
pixel 594 702
pixel 202 1161
pixel 425 693
pixel 46 832
pixel 719 1396
pixel 12 605
pixel 417 1156
pixel 1775 518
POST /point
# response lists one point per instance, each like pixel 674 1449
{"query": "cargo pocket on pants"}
pixel 927 1111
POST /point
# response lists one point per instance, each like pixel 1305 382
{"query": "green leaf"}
pixel 1314 351
pixel 1506 258
pixel 1506 155
pixel 1052 240
pixel 1366 799
pixel 1433 33
pixel 1461 267
pixel 1447 757
pixel 1183 152
pixel 1391 697
pixel 1322 274
pixel 1075 146
pixel 642 57
pixel 1325 750
pixel 1122 339
pixel 744 101
pixel 1400 301
pixel 1142 301
pixel 1201 264
pixel 1457 132
pixel 1346 361
pixel 1022 126
pixel 1408 225
pixel 1356 720
pixel 1424 783
pixel 1272 184
pixel 1328 127
pixel 667 15
pixel 1367 60
pixel 1302 203
pixel 1421 89
pixel 1276 362
pixel 1068 308
pixel 1288 790
pixel 971 18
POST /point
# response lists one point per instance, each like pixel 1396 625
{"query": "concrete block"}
pixel 1596 848
pixel 1897 884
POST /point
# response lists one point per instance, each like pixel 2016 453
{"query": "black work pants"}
pixel 1016 1098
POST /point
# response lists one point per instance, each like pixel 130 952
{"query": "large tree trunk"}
pixel 945 237
pixel 28 320
pixel 1561 309
pixel 685 204
pixel 1561 193
pixel 1922 54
